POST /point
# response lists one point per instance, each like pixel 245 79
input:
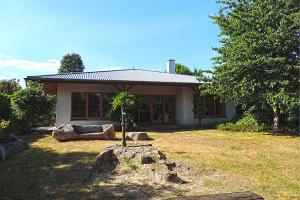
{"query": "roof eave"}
pixel 108 81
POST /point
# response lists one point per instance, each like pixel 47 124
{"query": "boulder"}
pixel 88 132
pixel 64 132
pixel 11 147
pixel 105 161
pixel 137 136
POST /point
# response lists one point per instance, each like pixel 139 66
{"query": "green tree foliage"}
pixel 257 62
pixel 129 102
pixel 71 63
pixel 182 69
pixel 9 86
pixel 32 107
pixel 5 109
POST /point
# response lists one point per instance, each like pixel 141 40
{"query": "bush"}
pixel 4 129
pixel 246 124
pixel 32 107
pixel 5 109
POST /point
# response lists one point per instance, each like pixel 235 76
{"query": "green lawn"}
pixel 228 161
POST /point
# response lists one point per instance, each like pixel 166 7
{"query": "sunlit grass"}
pixel 259 162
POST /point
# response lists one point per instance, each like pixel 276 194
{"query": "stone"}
pixel 223 196
pixel 137 136
pixel 64 132
pixel 147 159
pixel 90 132
pixel 13 146
pixel 105 161
pixel 88 129
pixel 171 177
pixel 170 165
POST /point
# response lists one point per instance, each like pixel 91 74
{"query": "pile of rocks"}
pixel 149 158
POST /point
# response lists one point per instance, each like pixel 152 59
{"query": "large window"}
pixel 155 109
pixel 92 105
pixel 211 106
pixel 78 105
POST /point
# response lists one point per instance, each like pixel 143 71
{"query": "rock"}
pixel 147 159
pixel 88 129
pixel 12 147
pixel 223 196
pixel 143 154
pixel 170 165
pixel 90 132
pixel 137 136
pixel 64 132
pixel 171 177
pixel 105 161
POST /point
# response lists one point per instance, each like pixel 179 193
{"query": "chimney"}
pixel 170 66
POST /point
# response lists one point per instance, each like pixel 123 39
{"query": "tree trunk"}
pixel 276 122
pixel 123 126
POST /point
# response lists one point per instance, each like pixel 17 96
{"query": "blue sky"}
pixel 108 34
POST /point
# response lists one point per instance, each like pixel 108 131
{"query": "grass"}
pixel 265 164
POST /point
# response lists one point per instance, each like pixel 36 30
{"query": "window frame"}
pixel 215 115
pixel 101 106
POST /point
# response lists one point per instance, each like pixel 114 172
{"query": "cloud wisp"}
pixel 50 65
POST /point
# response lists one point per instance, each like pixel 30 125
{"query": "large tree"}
pixel 71 63
pixel 182 69
pixel 258 56
pixel 9 86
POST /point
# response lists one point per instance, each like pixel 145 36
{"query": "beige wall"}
pixel 184 101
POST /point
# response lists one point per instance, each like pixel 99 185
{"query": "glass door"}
pixel 169 109
pixel 157 109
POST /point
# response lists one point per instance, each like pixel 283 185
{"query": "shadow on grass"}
pixel 45 174
pixel 293 135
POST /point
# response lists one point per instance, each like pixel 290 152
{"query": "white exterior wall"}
pixel 184 101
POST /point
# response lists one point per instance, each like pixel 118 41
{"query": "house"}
pixel 166 97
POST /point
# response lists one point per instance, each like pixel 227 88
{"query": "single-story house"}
pixel 166 97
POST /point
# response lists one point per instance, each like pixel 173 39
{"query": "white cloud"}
pixel 50 65
pixel 3 77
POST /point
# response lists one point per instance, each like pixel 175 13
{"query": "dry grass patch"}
pixel 222 162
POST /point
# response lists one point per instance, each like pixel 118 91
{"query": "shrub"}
pixel 246 124
pixel 4 129
pixel 32 107
pixel 5 109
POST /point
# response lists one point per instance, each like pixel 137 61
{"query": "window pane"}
pixel 94 104
pixel 169 109
pixel 144 109
pixel 107 99
pixel 209 105
pixel 78 104
pixel 157 109
pixel 220 108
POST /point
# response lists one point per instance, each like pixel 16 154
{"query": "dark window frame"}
pixel 215 102
pixel 101 106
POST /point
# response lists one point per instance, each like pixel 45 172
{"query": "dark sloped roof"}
pixel 128 75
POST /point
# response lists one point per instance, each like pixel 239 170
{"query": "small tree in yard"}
pixel 32 107
pixel 258 57
pixel 122 107
pixel 71 63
